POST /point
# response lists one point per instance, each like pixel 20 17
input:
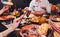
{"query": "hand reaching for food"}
pixel 5 8
pixel 17 21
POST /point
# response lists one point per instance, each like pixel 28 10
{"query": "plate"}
pixel 56 19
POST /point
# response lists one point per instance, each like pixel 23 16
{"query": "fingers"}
pixel 20 18
pixel 21 34
pixel 5 8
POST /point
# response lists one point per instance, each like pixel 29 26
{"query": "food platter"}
pixel 56 19
pixel 28 29
pixel 34 30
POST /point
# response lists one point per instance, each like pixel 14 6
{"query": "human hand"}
pixel 17 21
pixel 5 8
pixel 15 24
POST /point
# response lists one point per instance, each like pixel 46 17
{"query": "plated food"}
pixel 34 30
pixel 56 34
pixel 58 19
pixel 29 30
pixel 42 30
pixel 55 18
pixel 38 19
pixel 35 19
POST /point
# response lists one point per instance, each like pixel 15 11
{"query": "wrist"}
pixel 14 27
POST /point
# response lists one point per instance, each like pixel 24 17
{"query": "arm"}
pixel 6 32
pixel 15 24
pixel 5 8
pixel 1 35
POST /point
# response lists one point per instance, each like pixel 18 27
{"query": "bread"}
pixel 56 34
pixel 42 30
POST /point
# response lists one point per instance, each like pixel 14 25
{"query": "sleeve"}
pixel 48 7
pixel 2 27
pixel 31 6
